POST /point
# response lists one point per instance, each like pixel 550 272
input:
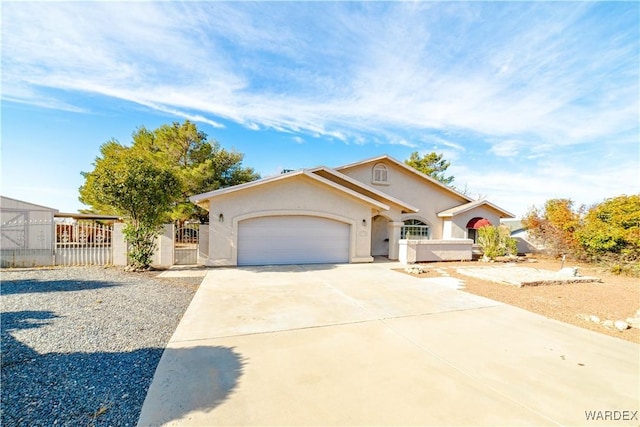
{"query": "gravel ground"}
pixel 80 345
pixel 615 298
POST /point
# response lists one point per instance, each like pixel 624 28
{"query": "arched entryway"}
pixel 473 225
pixel 380 236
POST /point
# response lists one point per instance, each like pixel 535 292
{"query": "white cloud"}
pixel 550 74
pixel 508 148
pixel 517 188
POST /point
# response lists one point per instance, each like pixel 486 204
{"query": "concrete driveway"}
pixel 365 345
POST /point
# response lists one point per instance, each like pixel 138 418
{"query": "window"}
pixel 380 174
pixel 414 229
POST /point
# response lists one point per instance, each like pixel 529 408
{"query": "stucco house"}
pixel 346 214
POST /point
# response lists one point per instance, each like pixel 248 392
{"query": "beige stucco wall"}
pixel 298 195
pixel 404 185
pixel 459 222
pixel 165 246
pixel 412 251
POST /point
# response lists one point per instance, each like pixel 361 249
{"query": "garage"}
pixel 292 240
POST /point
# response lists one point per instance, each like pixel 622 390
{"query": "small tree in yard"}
pixel 135 188
pixel 496 241
pixel 611 233
pixel 555 225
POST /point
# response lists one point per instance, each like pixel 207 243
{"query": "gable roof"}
pixel 515 225
pixel 472 205
pixel 199 199
pixel 9 203
pixel 407 168
pixel 354 184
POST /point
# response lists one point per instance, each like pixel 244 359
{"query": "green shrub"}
pixel 496 241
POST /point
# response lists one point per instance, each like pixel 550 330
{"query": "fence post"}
pixel 164 251
pixel 203 244
pixel 119 245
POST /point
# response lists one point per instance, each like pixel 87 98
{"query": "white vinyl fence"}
pixel 32 243
pixel 35 243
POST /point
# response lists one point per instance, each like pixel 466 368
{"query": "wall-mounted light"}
pixel 221 218
pixel 364 222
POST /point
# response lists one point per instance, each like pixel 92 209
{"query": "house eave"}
pixel 203 199
pixel 408 169
pixel 385 198
pixel 451 212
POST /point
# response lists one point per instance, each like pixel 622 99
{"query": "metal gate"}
pixel 186 244
pixel 83 243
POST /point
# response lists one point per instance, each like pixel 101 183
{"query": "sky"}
pixel 528 101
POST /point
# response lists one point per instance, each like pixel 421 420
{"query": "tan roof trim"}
pixel 404 205
pixel 407 168
pixel 347 190
pixel 199 199
pixel 468 206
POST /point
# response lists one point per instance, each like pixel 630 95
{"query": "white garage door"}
pixel 292 240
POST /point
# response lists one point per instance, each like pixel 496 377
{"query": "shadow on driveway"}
pixel 178 389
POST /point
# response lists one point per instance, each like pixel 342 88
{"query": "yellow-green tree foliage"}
pixel 612 226
pixel 554 225
pixel 136 189
pixel 199 164
pixel 608 232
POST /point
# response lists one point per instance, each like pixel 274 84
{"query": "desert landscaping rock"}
pixel 621 325
pixel 594 318
pixel 416 270
pixel 633 322
pixel 615 297
pixel 525 276
pixel 80 345
pixel 569 271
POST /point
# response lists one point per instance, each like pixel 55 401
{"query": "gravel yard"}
pixel 614 298
pixel 80 345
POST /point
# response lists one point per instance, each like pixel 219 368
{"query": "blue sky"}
pixel 527 100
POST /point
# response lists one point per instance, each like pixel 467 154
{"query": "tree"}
pixel 612 229
pixel 431 164
pixel 609 232
pixel 555 225
pixel 199 164
pixel 135 188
